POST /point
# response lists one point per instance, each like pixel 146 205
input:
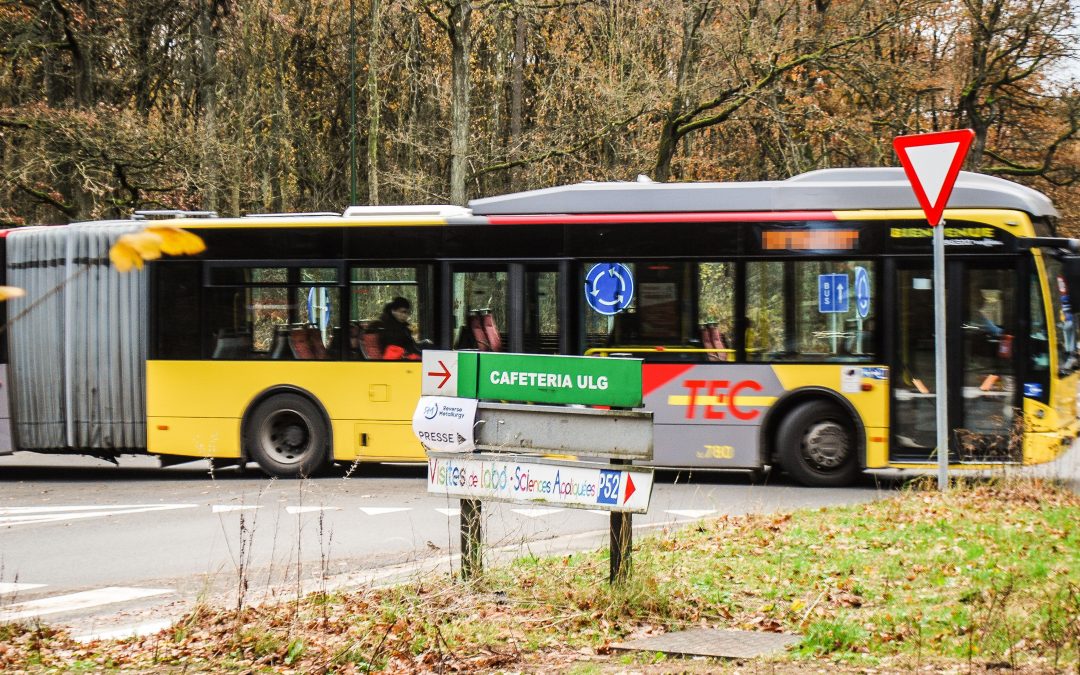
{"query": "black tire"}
pixel 287 436
pixel 816 445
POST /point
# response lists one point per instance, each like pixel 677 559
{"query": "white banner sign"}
pixel 559 484
pixel 445 423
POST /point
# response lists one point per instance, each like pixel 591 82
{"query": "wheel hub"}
pixel 825 445
pixel 287 436
pixel 293 436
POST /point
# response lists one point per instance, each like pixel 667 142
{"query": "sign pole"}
pixel 472 539
pixel 621 541
pixel 940 370
pixel 932 163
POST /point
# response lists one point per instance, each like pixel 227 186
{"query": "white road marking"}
pixel 599 512
pixel 380 510
pixel 24 510
pixel 449 513
pixel 76 601
pixel 226 508
pixel 7 587
pixel 295 510
pixel 16 516
pixel 134 630
pixel 536 512
pixel 691 513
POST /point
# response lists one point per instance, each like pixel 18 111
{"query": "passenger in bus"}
pixel 396 338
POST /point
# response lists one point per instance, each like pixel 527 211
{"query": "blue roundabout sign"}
pixel 609 287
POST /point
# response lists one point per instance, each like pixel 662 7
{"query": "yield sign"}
pixel 932 163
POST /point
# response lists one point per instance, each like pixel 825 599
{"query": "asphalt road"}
pixel 108 550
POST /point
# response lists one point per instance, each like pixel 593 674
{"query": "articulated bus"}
pixel 781 324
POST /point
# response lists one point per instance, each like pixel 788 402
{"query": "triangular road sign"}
pixel 932 162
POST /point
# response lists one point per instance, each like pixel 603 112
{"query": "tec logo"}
pixel 720 396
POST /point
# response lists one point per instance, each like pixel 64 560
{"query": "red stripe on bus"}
pixel 711 217
pixel 654 377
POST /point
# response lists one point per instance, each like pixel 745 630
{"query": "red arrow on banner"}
pixel 445 374
pixel 932 162
pixel 629 488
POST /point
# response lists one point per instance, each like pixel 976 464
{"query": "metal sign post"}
pixel 932 162
pixel 940 355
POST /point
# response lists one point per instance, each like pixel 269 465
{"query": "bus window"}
pixel 542 312
pixel 245 308
pixel 480 310
pixel 371 289
pixel 175 306
pixel 988 331
pixel 716 309
pixel 765 317
pixel 271 312
pixel 607 330
pixel 845 335
pixel 319 305
pixel 679 311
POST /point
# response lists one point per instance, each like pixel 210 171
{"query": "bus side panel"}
pixel 866 388
pixel 374 441
pixel 6 446
pixel 708 415
pixel 370 404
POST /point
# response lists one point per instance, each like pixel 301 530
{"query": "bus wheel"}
pixel 286 435
pixel 817 446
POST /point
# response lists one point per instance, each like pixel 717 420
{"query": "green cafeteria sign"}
pixel 535 378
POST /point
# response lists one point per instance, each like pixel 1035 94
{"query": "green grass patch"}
pixel 987 574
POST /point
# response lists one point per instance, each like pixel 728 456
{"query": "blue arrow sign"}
pixel 832 293
pixel 609 288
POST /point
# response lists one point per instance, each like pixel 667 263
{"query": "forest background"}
pixel 107 106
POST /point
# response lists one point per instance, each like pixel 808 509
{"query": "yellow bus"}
pixel 782 324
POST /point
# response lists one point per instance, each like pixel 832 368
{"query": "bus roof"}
pixel 825 190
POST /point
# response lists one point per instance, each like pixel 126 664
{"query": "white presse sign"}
pixel 445 423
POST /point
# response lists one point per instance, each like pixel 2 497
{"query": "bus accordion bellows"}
pixel 781 323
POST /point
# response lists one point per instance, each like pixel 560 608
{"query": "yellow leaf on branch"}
pixel 176 241
pixel 131 250
pixel 9 292
pixel 124 257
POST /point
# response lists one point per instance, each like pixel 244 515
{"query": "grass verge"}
pixel 984 577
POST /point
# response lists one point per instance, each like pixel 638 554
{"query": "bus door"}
pixel 989 405
pixel 982 323
pixel 508 307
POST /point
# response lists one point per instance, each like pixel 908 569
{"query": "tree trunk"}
pixel 665 151
pixel 460 17
pixel 374 104
pixel 517 95
pixel 207 101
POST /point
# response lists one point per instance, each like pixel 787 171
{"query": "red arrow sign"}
pixel 932 162
pixel 444 374
pixel 629 488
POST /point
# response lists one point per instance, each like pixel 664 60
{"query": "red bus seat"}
pixel 369 342
pixel 299 344
pixel 476 325
pixel 491 332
